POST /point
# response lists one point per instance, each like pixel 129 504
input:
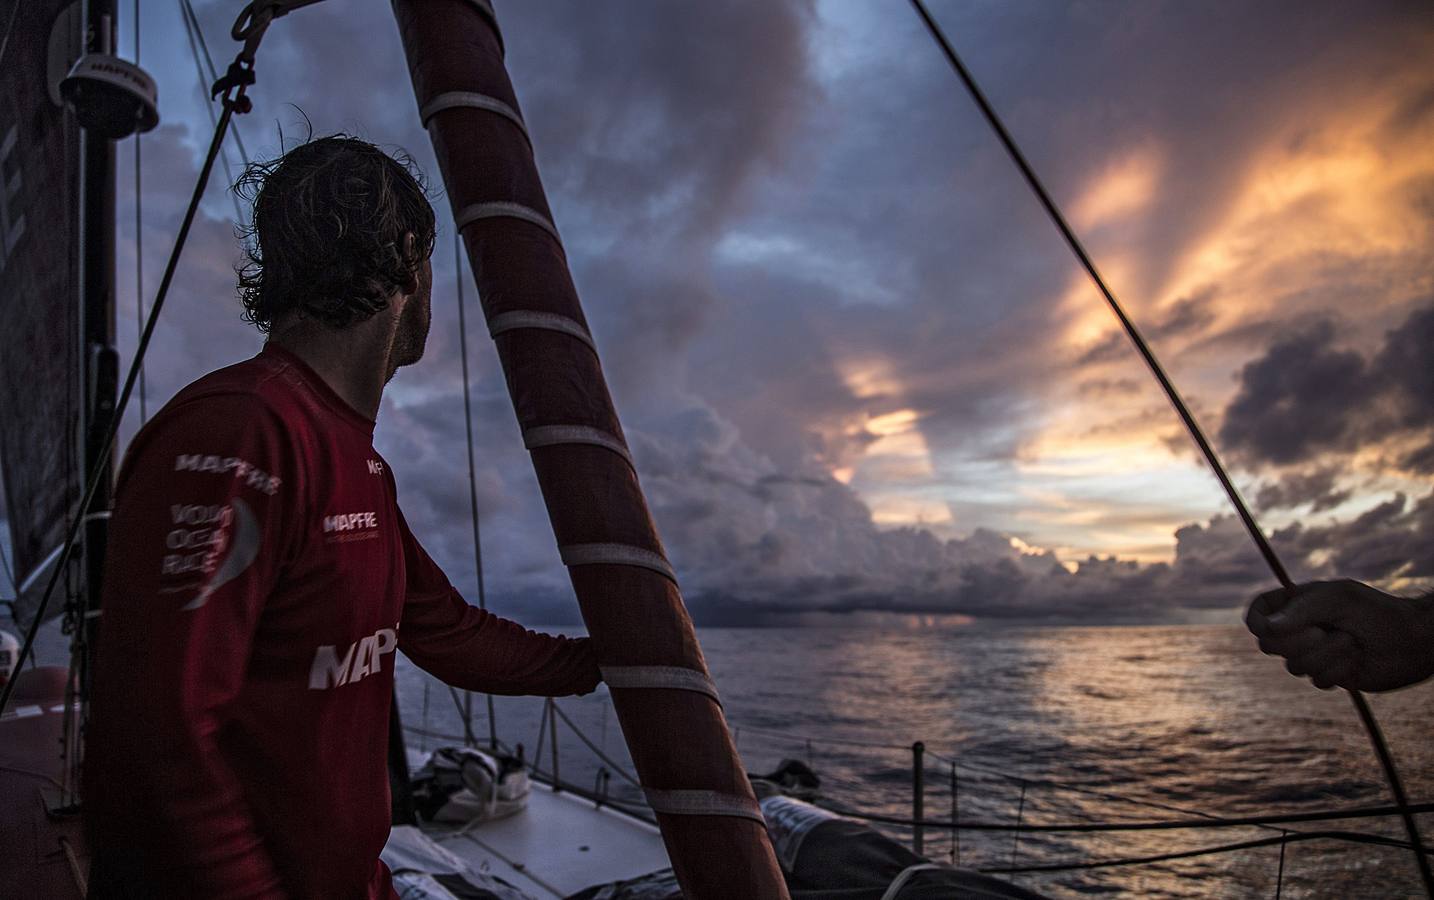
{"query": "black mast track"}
pixel 1366 715
pixel 99 367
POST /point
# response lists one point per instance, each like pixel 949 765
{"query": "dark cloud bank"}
pixel 726 371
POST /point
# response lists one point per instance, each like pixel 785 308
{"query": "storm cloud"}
pixel 1308 396
pixel 856 366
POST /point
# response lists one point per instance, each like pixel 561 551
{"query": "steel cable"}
pixel 209 109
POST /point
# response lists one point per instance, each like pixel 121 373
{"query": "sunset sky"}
pixel 857 366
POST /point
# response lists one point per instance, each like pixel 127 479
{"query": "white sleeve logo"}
pixel 243 548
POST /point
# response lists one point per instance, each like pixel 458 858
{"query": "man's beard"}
pixel 410 335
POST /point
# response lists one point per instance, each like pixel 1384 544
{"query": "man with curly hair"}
pixel 261 575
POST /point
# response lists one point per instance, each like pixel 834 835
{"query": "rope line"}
pixel 1366 715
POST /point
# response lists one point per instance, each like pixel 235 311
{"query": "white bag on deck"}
pixel 463 784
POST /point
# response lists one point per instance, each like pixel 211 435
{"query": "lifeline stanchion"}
pixel 955 816
pixel 1366 715
pixel 1280 875
pixel 918 796
pixel 553 727
pixel 1016 833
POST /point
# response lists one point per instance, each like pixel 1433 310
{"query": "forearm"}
pixel 476 650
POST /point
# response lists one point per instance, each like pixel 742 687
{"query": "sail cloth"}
pixel 828 857
pixel 668 707
pixel 39 300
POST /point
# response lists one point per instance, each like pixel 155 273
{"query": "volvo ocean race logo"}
pixel 236 531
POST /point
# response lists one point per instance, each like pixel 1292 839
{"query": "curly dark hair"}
pixel 329 228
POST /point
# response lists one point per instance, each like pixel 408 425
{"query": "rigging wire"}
pixel 139 241
pixel 209 109
pixel 465 714
pixel 616 766
pixel 472 473
pixel 241 102
pixel 1366 715
pixel 187 8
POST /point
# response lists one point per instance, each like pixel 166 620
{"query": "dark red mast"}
pixel 628 593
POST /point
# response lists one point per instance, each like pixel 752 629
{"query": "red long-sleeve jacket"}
pixel 259 579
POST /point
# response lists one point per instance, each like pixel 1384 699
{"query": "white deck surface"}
pixel 557 846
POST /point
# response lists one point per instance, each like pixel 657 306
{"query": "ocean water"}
pixel 1051 725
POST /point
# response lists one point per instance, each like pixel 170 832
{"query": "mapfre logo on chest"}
pixel 354 526
pixel 360 659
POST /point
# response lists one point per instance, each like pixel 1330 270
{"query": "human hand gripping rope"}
pixel 1347 634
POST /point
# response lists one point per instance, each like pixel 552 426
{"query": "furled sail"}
pixel 665 701
pixel 40 392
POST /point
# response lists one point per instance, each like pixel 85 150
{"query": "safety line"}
pixel 1366 715
pixel 1351 836
pixel 1328 815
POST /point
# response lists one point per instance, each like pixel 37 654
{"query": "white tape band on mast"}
pixel 703 803
pixel 530 318
pixel 470 100
pixel 673 678
pixel 550 435
pixel 616 555
pixel 504 208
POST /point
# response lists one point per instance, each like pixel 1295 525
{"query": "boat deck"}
pixel 559 845
pixel 41 855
